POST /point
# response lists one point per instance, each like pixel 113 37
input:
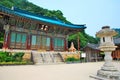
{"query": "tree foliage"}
pixel 25 5
pixel 9 57
pixel 83 37
pixel 118 31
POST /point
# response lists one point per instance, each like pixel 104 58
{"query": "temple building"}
pixel 28 31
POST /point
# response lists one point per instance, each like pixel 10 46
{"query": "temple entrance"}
pixel 40 42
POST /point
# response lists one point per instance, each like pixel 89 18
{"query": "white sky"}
pixel 93 13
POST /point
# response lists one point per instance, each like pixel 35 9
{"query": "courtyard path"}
pixel 80 71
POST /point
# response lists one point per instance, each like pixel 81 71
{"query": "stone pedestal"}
pixel 108 71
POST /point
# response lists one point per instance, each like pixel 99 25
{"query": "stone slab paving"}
pixel 79 71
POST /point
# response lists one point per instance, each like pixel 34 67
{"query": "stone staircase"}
pixel 37 58
pixel 58 58
pixel 46 57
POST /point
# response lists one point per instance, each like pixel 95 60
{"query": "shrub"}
pixel 8 57
pixel 1 45
pixel 18 56
pixel 3 56
pixel 71 59
pixel 15 63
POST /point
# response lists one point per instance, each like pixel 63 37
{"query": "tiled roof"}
pixel 93 46
pixel 117 40
pixel 28 15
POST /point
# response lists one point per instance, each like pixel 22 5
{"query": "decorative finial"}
pixel 72 48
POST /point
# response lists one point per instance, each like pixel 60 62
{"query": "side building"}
pixel 28 31
pixel 116 53
pixel 92 52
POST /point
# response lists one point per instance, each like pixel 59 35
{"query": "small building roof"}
pixel 117 40
pixel 93 46
pixel 96 46
pixel 28 15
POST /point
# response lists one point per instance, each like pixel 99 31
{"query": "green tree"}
pixel 83 37
pixel 6 3
pixel 118 31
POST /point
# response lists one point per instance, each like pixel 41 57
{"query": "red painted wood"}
pixel 28 43
pixel 78 43
pixel 116 54
pixel 51 44
pixel 65 45
pixel 6 42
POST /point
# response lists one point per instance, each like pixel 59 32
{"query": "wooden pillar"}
pixel 78 42
pixel 28 43
pixel 6 40
pixel 6 36
pixel 119 54
pixel 29 39
pixel 65 45
pixel 51 44
pixel 4 43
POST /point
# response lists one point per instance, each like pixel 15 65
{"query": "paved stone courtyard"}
pixel 79 71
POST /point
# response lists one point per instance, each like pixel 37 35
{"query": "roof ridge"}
pixel 33 14
pixel 29 15
pixel 3 8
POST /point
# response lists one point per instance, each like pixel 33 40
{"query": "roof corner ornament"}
pixel 12 8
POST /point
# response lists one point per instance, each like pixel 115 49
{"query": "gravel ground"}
pixel 79 71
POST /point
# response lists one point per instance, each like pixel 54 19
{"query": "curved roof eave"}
pixel 51 21
pixel 38 18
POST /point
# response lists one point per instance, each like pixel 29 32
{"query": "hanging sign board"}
pixel 83 55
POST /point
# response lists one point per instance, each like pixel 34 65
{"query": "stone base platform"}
pixel 97 77
pixel 106 75
pixel 111 75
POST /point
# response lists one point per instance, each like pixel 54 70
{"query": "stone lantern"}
pixel 107 71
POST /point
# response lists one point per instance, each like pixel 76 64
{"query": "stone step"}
pixel 45 58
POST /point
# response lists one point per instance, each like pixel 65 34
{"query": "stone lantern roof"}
pixel 106 38
pixel 106 31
